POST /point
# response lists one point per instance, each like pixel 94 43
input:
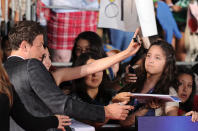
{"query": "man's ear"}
pixel 24 46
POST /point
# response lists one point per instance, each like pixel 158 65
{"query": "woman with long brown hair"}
pixel 10 105
pixel 155 77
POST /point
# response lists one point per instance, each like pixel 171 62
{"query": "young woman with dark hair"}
pixel 186 89
pixel 185 86
pixel 159 63
pixel 85 42
pixel 92 88
pixel 157 74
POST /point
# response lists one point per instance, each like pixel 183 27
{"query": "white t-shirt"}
pixel 168 105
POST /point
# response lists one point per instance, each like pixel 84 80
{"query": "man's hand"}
pixel 117 111
pixel 63 121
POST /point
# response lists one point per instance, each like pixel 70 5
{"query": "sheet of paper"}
pixel 143 98
pixel 145 10
pixel 79 126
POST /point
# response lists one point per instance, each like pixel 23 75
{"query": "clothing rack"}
pixel 30 14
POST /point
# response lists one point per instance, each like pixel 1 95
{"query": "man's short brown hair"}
pixel 24 31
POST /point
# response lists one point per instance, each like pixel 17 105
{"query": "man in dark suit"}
pixel 36 87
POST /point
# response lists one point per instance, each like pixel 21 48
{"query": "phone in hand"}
pixel 131 70
pixel 137 39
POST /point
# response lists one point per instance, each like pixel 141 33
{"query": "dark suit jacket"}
pixel 40 95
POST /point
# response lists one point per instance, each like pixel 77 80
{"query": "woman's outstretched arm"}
pixel 66 74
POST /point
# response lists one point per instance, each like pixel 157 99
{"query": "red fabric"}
pixel 192 18
pixel 192 23
pixel 196 103
pixel 40 9
pixel 181 112
pixel 63 28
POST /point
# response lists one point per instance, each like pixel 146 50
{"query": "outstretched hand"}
pixel 134 46
pixel 194 115
pixel 63 121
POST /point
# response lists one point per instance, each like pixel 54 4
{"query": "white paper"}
pixel 110 15
pixel 145 10
pixel 143 98
pixel 79 126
